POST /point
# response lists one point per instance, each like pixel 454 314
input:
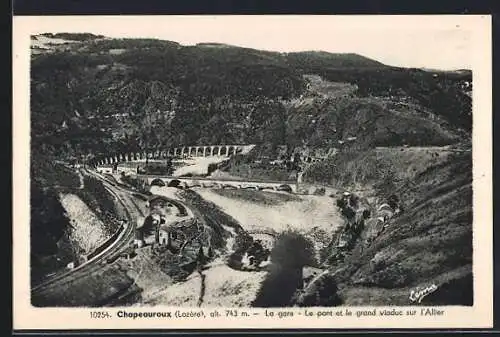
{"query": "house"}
pixel 153 228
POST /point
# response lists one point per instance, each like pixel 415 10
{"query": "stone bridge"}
pixel 177 152
pixel 190 182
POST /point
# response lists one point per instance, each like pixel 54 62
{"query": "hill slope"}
pixel 136 93
pixel 429 244
pixel 94 96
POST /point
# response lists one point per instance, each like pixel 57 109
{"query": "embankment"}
pixel 87 231
pixel 68 219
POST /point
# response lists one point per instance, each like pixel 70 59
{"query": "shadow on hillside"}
pixel 290 254
pixel 279 287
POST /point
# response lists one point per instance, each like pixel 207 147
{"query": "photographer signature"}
pixel 419 294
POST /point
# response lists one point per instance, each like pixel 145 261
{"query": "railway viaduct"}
pixel 190 182
pixel 184 151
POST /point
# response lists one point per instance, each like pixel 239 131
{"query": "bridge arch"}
pixel 174 183
pixel 215 151
pixel 158 182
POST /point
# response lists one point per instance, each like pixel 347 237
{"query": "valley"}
pixel 266 179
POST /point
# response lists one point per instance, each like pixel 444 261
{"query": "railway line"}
pixel 49 291
pixel 55 290
pixel 68 288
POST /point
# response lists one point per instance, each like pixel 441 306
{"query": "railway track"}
pixel 50 289
pixel 54 291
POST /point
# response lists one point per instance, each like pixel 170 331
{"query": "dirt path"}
pixel 203 287
pixel 217 286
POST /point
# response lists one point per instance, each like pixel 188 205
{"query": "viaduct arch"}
pixel 176 152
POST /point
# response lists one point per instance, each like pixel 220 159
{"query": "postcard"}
pixel 222 172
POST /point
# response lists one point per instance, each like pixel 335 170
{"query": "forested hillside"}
pixel 394 131
pixel 93 95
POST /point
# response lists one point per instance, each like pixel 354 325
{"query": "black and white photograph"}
pixel 266 164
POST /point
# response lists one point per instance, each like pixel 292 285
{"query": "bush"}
pixel 242 242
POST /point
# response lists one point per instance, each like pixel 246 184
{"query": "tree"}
pixel 155 124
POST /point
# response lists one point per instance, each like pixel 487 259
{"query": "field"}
pixel 217 286
pixel 329 89
pixel 256 210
